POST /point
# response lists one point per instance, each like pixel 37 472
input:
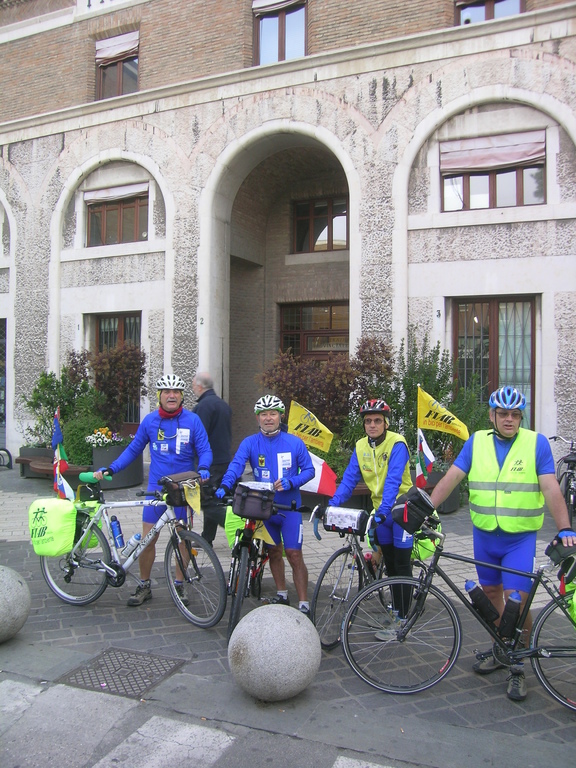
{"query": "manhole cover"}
pixel 124 673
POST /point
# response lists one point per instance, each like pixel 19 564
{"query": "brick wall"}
pixel 55 69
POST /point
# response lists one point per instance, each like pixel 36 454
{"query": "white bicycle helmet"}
pixel 269 403
pixel 170 381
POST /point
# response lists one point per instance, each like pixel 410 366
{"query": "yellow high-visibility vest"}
pixel 373 463
pixel 509 498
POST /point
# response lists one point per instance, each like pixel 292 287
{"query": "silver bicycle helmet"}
pixel 170 381
pixel 508 398
pixel 269 403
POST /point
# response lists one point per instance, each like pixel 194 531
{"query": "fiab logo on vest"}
pixel 518 466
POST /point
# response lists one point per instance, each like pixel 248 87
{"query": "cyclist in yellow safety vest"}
pixel 381 461
pixel 511 477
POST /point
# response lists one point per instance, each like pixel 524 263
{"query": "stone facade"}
pixel 227 147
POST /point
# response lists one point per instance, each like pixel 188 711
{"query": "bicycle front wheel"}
pixel 554 634
pixel 399 639
pixel 77 577
pixel 201 598
pixel 239 584
pixel 258 574
pixel 339 581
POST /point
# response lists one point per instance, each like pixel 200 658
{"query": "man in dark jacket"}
pixel 216 416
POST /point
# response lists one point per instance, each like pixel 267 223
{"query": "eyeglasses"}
pixel 377 421
pixel 516 415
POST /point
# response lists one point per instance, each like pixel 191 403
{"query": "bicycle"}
pixel 407 647
pixel 253 502
pixel 81 576
pixel 344 574
pixel 566 475
pixel 347 570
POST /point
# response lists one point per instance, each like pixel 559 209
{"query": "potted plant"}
pixel 93 389
pixel 49 393
pixel 107 446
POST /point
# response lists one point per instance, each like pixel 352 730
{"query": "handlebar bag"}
pixel 175 487
pixel 253 500
pixel 344 520
pixel 413 509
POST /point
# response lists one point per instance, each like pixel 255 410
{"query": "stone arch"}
pixel 69 187
pixel 230 168
pixel 543 102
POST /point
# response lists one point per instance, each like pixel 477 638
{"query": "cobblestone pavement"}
pixel 338 708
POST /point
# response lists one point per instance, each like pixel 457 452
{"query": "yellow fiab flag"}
pixel 303 423
pixel 432 415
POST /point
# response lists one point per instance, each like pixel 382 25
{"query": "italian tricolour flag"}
pixel 424 461
pixel 324 481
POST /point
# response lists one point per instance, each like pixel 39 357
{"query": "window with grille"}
pixel 314 330
pixel 494 341
pixel 279 30
pixel 113 331
pixel 320 225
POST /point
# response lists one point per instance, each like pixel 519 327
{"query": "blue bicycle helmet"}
pixel 508 398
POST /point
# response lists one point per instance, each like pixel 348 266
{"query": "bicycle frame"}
pixel 509 648
pixel 102 513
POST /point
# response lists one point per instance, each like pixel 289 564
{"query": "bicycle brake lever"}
pixel 316 521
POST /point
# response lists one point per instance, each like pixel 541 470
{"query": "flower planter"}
pixel 132 475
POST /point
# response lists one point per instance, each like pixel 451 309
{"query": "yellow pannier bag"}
pixel 52 525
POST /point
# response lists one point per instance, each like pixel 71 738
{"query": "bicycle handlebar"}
pixel 88 477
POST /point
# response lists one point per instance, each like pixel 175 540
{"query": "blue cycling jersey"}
pixel 281 456
pixel 177 444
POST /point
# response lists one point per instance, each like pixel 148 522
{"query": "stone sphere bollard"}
pixel 15 602
pixel 274 652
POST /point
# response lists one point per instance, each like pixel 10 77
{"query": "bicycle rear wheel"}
pixel 339 581
pixel 376 647
pixel 239 583
pixel 202 597
pixel 77 577
pixel 554 633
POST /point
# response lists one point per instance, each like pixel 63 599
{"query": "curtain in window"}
pixel 487 152
pixel 268 6
pixel 115 193
pixel 115 48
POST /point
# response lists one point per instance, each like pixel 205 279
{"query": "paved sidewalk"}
pixel 464 721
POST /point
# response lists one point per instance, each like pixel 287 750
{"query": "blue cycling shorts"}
pixel 390 532
pixel 286 528
pixel 512 550
pixel 151 514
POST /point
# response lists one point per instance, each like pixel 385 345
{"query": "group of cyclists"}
pixel 510 470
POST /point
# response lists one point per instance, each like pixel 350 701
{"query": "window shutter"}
pixel 115 48
pixel 115 193
pixel 260 7
pixel 488 152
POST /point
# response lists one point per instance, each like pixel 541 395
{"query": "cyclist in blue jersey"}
pixel 178 443
pixel 511 476
pixel 282 459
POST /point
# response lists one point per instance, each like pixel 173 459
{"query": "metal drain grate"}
pixel 123 673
